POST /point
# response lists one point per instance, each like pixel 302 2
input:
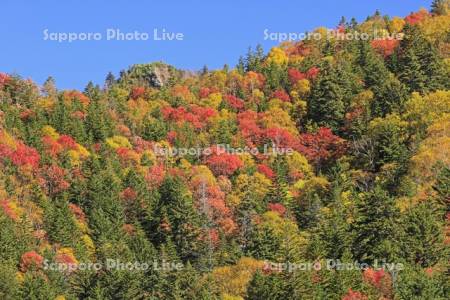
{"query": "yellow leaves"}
pixel 82 151
pixel 60 297
pixel 138 109
pixel 258 184
pixel 48 130
pixel 277 56
pixel 230 297
pixel 296 59
pixel 302 87
pixel 118 93
pixel 118 142
pixel 89 244
pixel 218 78
pixel 81 226
pixel 396 25
pixel 203 175
pixel 436 29
pixel 233 280
pixel 322 31
pixel 232 200
pixel 75 156
pixel 66 255
pixel 148 158
pixel 317 185
pixel 389 125
pixel 286 231
pixel 276 117
pixel 183 92
pixel 7 140
pixel 46 103
pixel 20 277
pixel 248 160
pixel 213 100
pixel 421 111
pixel 433 150
pixel 277 103
pixel 345 196
pixel 298 163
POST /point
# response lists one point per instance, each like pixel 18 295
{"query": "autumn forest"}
pixel 319 169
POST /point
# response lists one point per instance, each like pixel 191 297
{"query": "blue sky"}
pixel 215 32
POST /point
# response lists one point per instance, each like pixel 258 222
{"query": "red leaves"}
pixel 65 259
pixel 67 142
pixel 267 171
pixel 282 95
pixel 213 236
pixel 137 92
pixel 253 80
pixel 30 259
pixel 312 73
pixel 129 194
pixel 234 102
pixel 277 207
pixel 322 146
pixel 250 129
pixel 77 211
pixel 76 95
pixel 171 136
pixel 204 92
pixel 155 176
pixel 78 115
pixel 27 114
pixel 129 229
pixel 197 117
pixel 54 179
pixel 354 295
pixel 203 113
pixel 227 225
pixel 25 156
pixel 224 163
pixel 417 17
pixel 63 143
pixel 385 47
pixel 374 277
pixel 281 138
pixel 295 75
pixel 8 210
pixel 4 78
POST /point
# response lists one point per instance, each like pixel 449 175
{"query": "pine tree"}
pixel 440 7
pixel 49 87
pixel 110 80
pixel 271 286
pixel 375 227
pixel 240 67
pixel 419 66
pixel 389 93
pixel 329 95
pixel 175 212
pixel 422 235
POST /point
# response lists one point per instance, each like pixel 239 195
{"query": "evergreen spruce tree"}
pixel 389 93
pixel 175 213
pixel 110 80
pixel 326 105
pixel 422 235
pixel 375 227
pixel 419 66
pixel 440 7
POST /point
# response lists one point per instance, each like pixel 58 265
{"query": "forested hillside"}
pixel 318 170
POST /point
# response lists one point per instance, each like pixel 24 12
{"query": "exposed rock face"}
pixel 156 74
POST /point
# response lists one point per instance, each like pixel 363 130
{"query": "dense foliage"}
pixel 91 176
